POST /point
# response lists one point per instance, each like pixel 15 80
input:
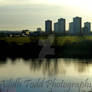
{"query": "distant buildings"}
pixel 59 27
pixel 39 29
pixel 56 28
pixel 75 28
pixel 77 25
pixel 48 26
pixel 87 27
pixel 71 28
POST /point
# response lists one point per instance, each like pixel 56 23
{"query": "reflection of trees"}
pixel 53 67
pixel 81 67
pixel 47 67
pixel 79 64
pixel 50 68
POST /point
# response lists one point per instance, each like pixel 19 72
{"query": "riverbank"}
pixel 29 47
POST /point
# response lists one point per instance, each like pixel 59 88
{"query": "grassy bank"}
pixel 65 46
pixel 60 40
pixel 17 40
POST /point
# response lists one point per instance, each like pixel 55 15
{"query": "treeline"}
pixel 76 49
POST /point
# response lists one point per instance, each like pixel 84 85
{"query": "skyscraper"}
pixel 87 25
pixel 77 22
pixel 48 26
pixel 71 28
pixel 56 28
pixel 61 25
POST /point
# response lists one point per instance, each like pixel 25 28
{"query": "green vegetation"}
pixel 65 46
pixel 74 46
pixel 72 39
pixel 59 40
pixel 17 40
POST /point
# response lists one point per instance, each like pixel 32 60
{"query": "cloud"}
pixel 24 2
pixel 26 16
pixel 32 13
pixel 13 2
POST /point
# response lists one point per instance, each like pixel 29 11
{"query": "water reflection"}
pixel 47 68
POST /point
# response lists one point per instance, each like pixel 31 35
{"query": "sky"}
pixel 31 14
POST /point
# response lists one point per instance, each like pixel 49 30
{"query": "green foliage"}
pixel 17 40
pixel 58 41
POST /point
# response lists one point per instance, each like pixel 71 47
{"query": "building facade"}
pixel 61 25
pixel 71 28
pixel 87 26
pixel 56 29
pixel 48 26
pixel 77 25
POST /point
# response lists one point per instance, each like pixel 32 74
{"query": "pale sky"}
pixel 30 14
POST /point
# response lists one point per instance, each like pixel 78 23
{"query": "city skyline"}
pixel 75 26
pixel 62 24
pixel 31 14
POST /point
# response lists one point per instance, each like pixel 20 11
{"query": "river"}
pixel 48 75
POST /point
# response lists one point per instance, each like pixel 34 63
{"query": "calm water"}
pixel 52 75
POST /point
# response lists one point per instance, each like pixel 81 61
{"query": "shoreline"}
pixel 64 47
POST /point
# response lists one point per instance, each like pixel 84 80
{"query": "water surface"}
pixel 48 75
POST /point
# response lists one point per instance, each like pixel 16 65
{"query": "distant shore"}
pixel 29 47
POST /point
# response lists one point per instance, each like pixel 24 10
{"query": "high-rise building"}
pixel 61 25
pixel 39 29
pixel 56 29
pixel 87 26
pixel 48 26
pixel 71 28
pixel 77 23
